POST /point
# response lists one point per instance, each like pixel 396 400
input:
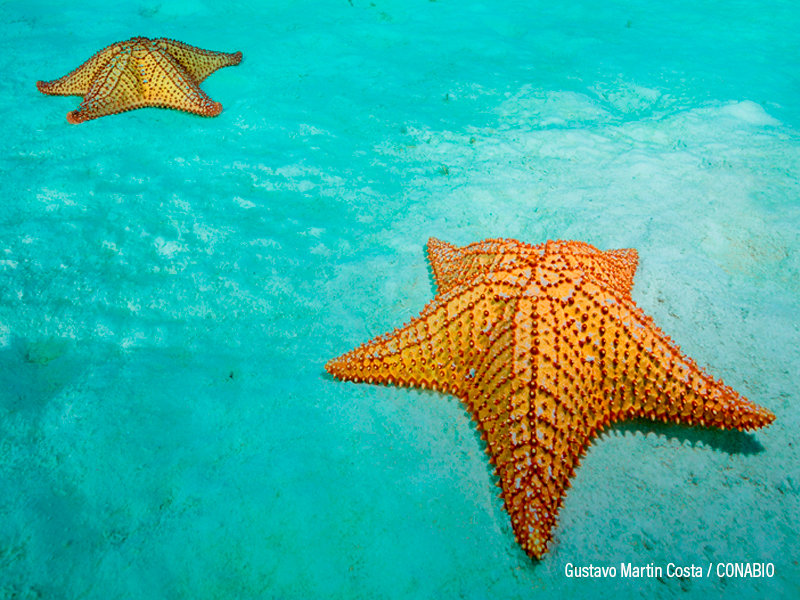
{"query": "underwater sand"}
pixel 171 287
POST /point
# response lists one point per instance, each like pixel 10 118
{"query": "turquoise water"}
pixel 171 287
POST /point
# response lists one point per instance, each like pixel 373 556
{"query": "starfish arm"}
pixel 534 468
pixel 398 358
pixel 614 353
pixel 114 89
pixel 416 355
pixel 621 264
pixel 79 81
pixel 169 85
pixel 453 265
pixel 675 387
pixel 443 347
pixel 612 269
pixel 533 427
pixel 444 260
pixel 198 63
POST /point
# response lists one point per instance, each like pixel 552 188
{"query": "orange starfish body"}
pixel 545 347
pixel 141 72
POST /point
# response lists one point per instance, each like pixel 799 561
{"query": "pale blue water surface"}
pixel 171 287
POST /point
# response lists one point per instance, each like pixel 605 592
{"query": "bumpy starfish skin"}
pixel 141 72
pixel 545 347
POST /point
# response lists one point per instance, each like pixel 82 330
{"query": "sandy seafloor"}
pixel 171 287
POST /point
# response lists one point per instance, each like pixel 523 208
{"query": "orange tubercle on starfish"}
pixel 139 73
pixel 546 347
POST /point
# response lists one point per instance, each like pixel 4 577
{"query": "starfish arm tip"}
pixel 74 117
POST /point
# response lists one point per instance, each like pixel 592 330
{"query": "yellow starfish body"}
pixel 141 72
pixel 545 346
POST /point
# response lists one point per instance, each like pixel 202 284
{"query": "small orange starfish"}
pixel 545 346
pixel 141 72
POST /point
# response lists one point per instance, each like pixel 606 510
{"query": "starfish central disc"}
pixel 545 346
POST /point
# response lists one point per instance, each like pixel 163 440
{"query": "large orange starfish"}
pixel 545 347
pixel 141 72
